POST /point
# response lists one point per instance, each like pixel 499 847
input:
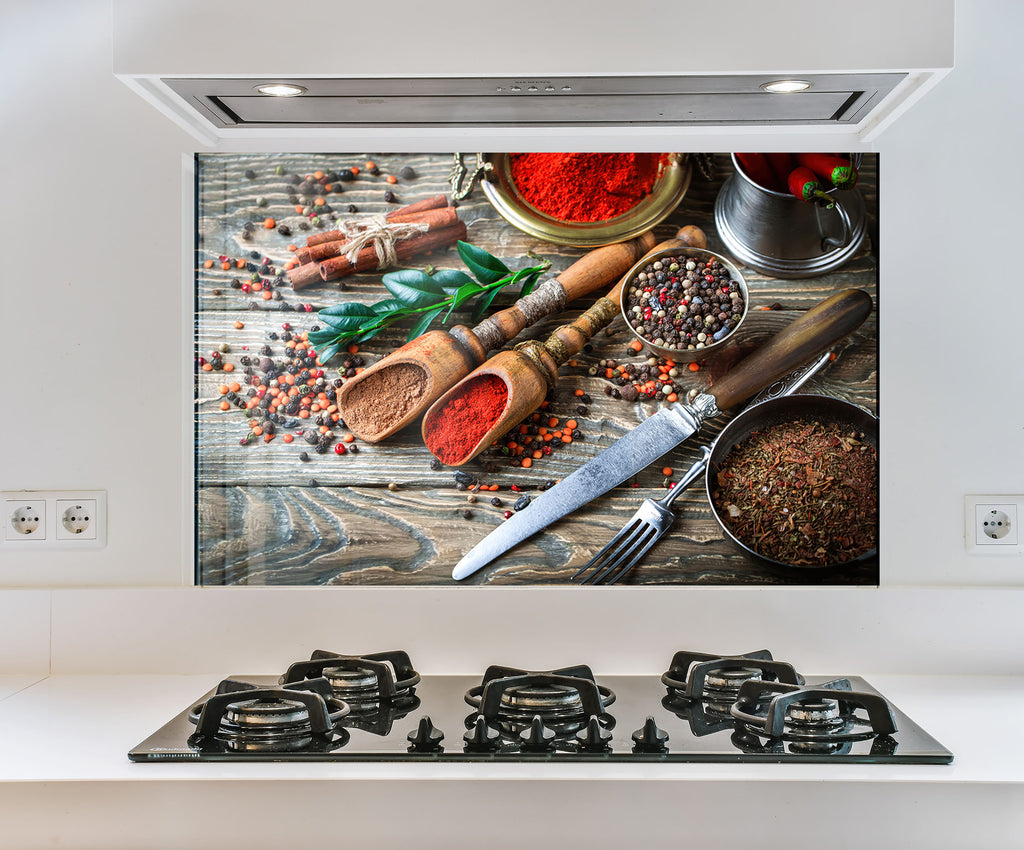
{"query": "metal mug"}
pixel 780 235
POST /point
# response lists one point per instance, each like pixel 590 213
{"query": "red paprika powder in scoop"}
pixel 453 431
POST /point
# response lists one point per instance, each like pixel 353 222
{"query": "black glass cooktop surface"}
pixel 566 715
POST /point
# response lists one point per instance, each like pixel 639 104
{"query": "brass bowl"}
pixel 665 196
pixel 686 355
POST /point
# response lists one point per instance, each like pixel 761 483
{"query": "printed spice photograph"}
pixel 399 358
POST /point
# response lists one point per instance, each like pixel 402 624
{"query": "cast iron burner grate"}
pixel 703 687
pixel 814 719
pixel 379 687
pixel 243 717
pixel 377 676
pixel 535 708
pixel 700 676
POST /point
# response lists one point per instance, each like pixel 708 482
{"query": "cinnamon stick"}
pixel 397 214
pixel 421 206
pixel 434 219
pixel 302 276
pixel 366 260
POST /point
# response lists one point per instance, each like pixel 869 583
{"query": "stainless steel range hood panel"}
pixel 478 102
pixel 654 74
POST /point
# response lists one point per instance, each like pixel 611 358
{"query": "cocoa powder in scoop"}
pixel 380 399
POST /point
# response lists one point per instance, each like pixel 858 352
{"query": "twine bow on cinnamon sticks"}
pixel 379 242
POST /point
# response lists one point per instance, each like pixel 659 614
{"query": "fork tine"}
pixel 637 556
pixel 628 557
pixel 624 553
pixel 610 548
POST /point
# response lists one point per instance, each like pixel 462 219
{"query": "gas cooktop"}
pixel 704 708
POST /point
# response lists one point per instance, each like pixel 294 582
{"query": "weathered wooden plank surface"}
pixel 260 519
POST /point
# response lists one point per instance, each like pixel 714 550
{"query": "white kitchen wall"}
pixel 92 306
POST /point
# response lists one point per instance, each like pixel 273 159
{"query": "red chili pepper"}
pixel 804 185
pixel 781 165
pixel 755 166
pixel 830 168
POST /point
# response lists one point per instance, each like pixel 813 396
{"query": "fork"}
pixel 654 517
pixel 648 524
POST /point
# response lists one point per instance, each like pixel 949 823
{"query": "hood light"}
pixel 786 86
pixel 280 90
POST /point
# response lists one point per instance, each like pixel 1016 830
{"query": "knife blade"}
pixel 808 336
pixel 632 451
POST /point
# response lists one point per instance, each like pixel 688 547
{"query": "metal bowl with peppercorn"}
pixel 685 304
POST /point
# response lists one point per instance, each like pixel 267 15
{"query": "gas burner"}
pixel 813 717
pixel 703 717
pixel 243 717
pixel 364 681
pixel 563 699
pixel 717 679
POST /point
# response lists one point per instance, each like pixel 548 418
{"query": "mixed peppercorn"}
pixel 684 303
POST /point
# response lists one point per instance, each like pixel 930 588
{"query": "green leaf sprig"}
pixel 423 297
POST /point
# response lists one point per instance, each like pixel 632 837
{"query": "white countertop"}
pixel 10 685
pixel 65 739
pixel 112 714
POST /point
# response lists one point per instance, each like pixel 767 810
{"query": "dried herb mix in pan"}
pixel 802 493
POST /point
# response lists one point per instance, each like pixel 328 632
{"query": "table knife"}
pixel 806 337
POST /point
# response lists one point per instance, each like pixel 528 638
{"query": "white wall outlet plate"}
pixel 54 519
pixel 992 525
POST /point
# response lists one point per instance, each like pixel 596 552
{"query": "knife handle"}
pixel 816 330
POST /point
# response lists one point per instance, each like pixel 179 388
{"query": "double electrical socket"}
pixel 58 519
pixel 991 525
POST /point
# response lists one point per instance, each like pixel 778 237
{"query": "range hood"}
pixel 692 75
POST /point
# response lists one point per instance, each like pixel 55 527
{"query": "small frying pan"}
pixel 778 411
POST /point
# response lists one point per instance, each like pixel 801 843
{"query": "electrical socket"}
pixel 76 519
pixel 24 519
pixel 54 519
pixel 991 525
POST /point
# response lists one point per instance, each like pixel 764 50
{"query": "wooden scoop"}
pixel 410 379
pixel 531 369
